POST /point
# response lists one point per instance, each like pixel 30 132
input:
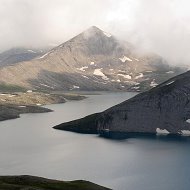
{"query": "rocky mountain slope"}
pixel 93 60
pixel 164 109
pixel 38 183
pixel 16 55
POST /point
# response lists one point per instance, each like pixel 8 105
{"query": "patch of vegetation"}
pixel 11 88
pixel 38 183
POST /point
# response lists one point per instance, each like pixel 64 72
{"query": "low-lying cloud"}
pixel 160 26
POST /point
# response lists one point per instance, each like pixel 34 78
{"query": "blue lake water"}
pixel 29 145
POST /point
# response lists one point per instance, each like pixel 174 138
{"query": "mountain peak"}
pixel 94 30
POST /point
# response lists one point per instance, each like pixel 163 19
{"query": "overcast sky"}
pixel 161 26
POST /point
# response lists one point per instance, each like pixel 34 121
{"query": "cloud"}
pixel 34 23
pixel 160 26
pixel 163 26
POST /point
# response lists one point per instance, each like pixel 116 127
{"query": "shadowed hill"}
pixel 38 183
pixel 163 109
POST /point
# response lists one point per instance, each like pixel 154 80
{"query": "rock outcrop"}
pixel 164 109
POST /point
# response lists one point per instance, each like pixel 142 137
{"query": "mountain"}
pixel 93 60
pixel 16 55
pixel 164 109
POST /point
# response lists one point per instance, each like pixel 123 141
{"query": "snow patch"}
pixel 11 95
pixel 153 83
pixel 136 87
pixel 85 77
pixel 92 63
pixel 82 68
pixel 185 132
pixel 149 71
pixel 124 58
pixel 98 72
pixel 139 76
pixel 76 87
pixel 162 131
pixel 136 59
pixel 29 91
pixel 170 82
pixel 170 72
pixel 46 85
pixel 122 71
pixel 21 106
pixel 29 50
pixel 44 55
pixel 125 76
pixel 107 34
pixel 3 100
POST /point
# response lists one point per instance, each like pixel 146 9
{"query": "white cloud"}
pixel 161 26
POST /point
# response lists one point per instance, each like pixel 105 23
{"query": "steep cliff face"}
pixel 163 109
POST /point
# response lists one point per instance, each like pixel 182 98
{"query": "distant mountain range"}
pixel 164 109
pixel 93 60
pixel 16 55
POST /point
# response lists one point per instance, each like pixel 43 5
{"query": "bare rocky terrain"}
pixel 164 109
pixel 91 61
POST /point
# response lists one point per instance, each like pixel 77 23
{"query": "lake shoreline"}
pixel 14 104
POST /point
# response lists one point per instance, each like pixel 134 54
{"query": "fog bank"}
pixel 160 26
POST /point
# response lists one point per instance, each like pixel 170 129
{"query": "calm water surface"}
pixel 29 145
